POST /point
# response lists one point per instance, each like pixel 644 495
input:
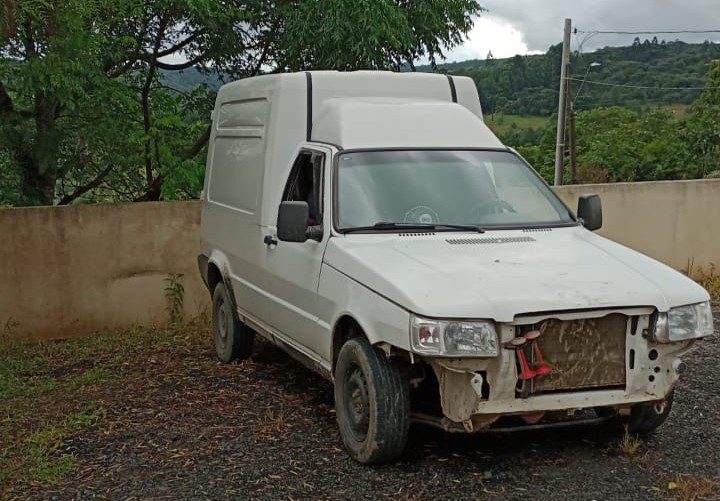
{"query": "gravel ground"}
pixel 183 426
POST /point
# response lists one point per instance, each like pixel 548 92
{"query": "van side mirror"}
pixel 292 223
pixel 590 211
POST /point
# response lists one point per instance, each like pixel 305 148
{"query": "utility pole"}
pixel 571 138
pixel 562 105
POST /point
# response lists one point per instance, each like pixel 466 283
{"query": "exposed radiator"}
pixel 585 353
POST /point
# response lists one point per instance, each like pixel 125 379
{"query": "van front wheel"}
pixel 645 418
pixel 372 403
pixel 233 339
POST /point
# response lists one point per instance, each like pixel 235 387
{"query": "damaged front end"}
pixel 554 369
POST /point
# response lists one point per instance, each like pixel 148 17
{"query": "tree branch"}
pixel 260 60
pixel 178 46
pixel 81 190
pixel 199 144
pixel 145 96
pixel 152 191
pixel 181 66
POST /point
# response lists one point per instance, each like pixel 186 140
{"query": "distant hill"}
pixel 527 85
pixel 189 79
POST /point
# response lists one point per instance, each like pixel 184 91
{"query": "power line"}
pixel 591 33
pixel 607 84
pixel 671 32
pixel 588 102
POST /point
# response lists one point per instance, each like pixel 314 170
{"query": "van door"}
pixel 293 268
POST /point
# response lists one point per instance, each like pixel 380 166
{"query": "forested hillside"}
pixel 527 85
pixel 649 111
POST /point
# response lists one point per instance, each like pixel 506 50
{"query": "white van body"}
pixel 310 297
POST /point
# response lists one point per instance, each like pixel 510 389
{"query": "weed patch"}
pixel 709 279
pixel 629 445
pixel 272 425
pixel 692 487
pixel 175 296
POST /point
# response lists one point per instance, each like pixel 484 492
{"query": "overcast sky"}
pixel 512 27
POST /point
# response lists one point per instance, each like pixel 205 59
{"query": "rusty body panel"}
pixel 584 353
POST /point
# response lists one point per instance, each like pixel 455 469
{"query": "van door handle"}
pixel 269 240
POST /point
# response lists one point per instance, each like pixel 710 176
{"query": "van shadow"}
pixel 547 444
pixel 290 376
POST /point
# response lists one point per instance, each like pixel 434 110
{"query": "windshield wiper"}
pixel 385 225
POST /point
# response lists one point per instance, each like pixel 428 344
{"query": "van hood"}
pixel 501 274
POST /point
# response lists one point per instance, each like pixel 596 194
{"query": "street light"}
pixel 587 72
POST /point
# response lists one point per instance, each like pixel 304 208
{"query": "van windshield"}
pixel 436 187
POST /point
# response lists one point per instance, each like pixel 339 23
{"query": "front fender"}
pixel 382 320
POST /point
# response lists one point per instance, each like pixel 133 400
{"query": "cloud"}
pixel 531 26
pixel 491 35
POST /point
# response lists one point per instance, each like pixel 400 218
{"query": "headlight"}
pixel 685 322
pixel 453 338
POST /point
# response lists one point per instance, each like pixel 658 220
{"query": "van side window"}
pixel 305 184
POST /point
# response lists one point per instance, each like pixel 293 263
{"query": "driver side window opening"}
pixel 305 184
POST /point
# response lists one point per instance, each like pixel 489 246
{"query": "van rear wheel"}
pixel 372 403
pixel 233 339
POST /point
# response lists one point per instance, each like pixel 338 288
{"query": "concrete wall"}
pixel 68 271
pixel 676 222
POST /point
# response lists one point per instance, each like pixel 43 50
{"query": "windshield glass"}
pixel 460 187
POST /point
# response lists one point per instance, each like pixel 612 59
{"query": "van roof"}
pixel 396 122
pixel 345 108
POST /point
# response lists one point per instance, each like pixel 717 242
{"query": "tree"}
pixel 85 111
pixel 621 145
pixel 703 124
pixel 49 67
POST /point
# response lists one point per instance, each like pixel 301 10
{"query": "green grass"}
pixel 27 377
pixel 35 457
pixel 503 125
pixel 51 390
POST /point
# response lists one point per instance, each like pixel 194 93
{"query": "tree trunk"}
pixel 37 188
pixel 41 174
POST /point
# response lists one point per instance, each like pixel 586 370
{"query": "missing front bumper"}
pixel 630 370
pixel 445 424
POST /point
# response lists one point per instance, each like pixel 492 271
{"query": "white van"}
pixel 370 224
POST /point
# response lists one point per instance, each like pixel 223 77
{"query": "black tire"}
pixel 372 403
pixel 233 339
pixel 606 412
pixel 645 418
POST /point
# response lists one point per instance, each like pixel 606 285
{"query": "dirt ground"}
pixel 150 413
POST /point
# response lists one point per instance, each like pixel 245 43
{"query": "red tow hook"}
pixel 518 345
pixel 541 367
pixel 527 345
